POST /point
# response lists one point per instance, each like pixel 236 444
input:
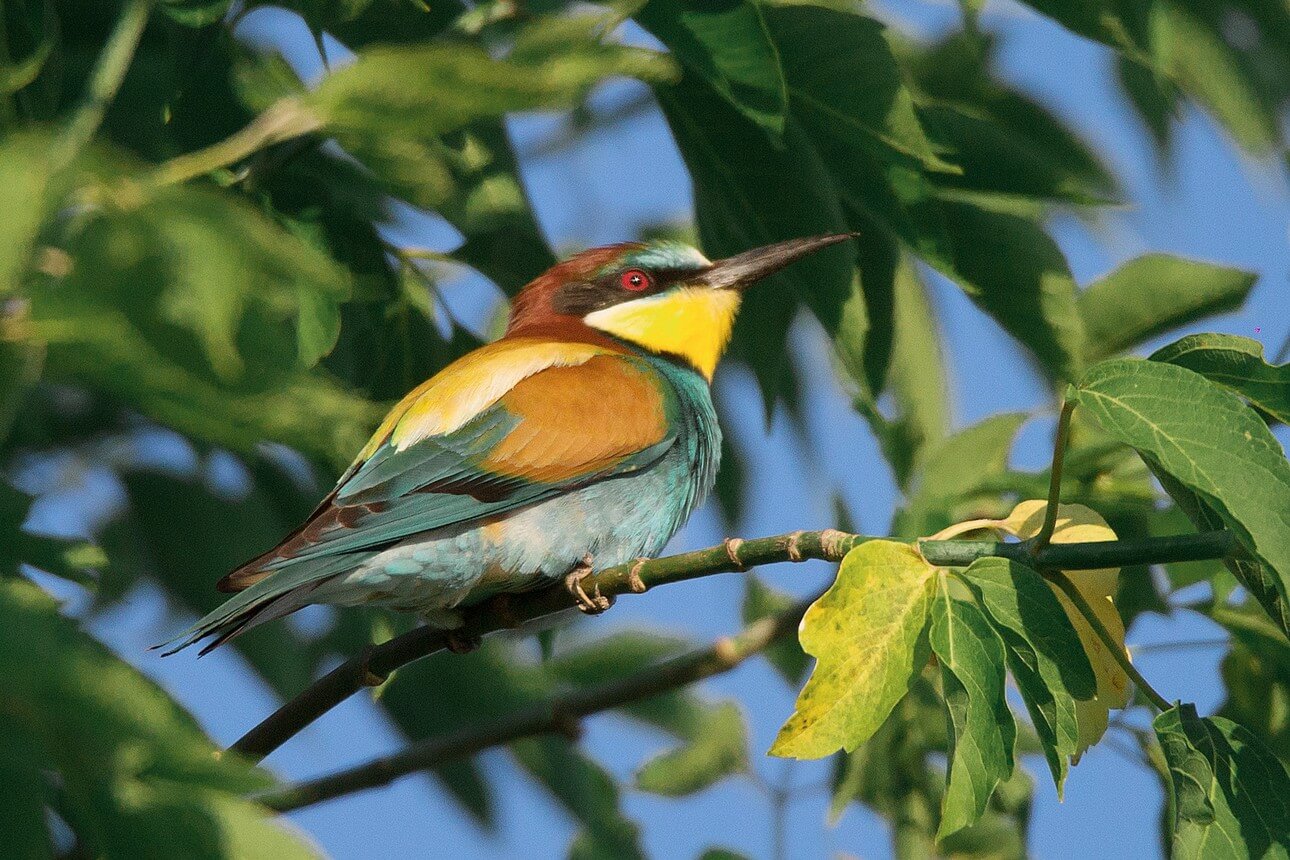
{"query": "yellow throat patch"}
pixel 692 322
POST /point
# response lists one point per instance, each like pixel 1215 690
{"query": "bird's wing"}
pixel 586 415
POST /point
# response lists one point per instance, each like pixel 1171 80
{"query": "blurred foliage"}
pixel 216 267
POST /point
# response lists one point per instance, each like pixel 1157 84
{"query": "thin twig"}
pixel 1054 479
pixel 354 674
pixel 731 556
pixel 550 717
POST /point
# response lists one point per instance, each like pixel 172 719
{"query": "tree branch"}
pixel 559 715
pixel 105 81
pixel 508 612
pixel 373 667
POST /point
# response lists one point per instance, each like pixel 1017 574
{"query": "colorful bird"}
pixel 580 440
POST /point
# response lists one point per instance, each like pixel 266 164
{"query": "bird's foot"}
pixel 594 603
pixel 462 643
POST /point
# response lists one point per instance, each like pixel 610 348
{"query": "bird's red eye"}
pixel 635 280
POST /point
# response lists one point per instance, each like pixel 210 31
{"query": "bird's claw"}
pixel 593 603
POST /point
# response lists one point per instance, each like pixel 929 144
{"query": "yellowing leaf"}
pixel 1079 524
pixel 868 633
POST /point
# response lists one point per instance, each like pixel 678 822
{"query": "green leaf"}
pixel 185 537
pixel 124 766
pixel 1004 142
pixel 25 197
pixel 415 92
pixel 1043 652
pixel 1236 363
pixel 1257 578
pixel 1153 294
pixel 1209 442
pixel 188 307
pixel 786 654
pixel 717 749
pixel 916 378
pixel 196 13
pixel 1231 797
pixel 1010 267
pixel 844 82
pixel 730 48
pixel 750 193
pixel 868 635
pixel 983 731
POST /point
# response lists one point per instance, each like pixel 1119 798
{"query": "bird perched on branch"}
pixel 580 440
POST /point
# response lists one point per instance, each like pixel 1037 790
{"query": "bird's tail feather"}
pixel 279 594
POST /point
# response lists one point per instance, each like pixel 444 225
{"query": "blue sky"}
pixel 1207 203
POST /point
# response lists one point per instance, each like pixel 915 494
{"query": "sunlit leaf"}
pixel 1153 294
pixel 117 757
pixel 25 198
pixel 415 92
pixel 716 749
pixel 1236 363
pixel 1208 441
pixel 868 635
pixel 1079 524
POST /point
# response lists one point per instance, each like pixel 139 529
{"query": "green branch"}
pixel 284 120
pixel 508 612
pixel 1054 479
pixel 557 716
pixel 104 83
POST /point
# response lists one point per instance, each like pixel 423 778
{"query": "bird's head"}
pixel 664 297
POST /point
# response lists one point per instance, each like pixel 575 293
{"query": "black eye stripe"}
pixel 580 298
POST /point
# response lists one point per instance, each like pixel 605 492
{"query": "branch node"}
pixel 634 581
pixel 793 547
pixel 833 543
pixel 732 546
pixel 725 650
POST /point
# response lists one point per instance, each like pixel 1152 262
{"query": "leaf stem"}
pixel 105 81
pixel 286 119
pixel 559 715
pixel 1054 479
pixel 1063 582
pixel 377 663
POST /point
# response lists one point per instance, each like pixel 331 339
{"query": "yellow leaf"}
pixel 1079 524
pixel 868 635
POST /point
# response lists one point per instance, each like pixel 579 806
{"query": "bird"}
pixel 581 439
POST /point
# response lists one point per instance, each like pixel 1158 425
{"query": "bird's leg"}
pixel 594 603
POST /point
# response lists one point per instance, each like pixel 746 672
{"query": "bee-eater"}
pixel 581 439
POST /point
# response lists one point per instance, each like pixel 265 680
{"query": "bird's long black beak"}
pixel 743 270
